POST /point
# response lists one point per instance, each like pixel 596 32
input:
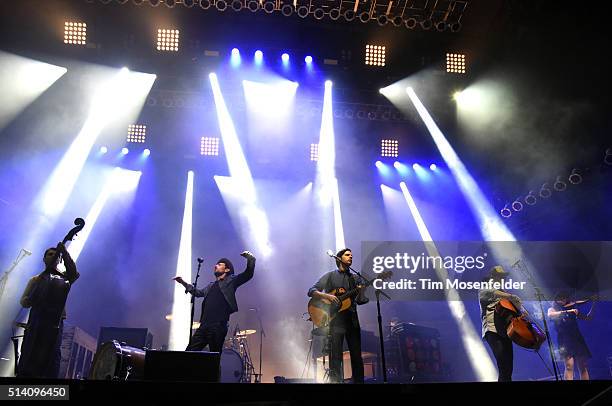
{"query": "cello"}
pixel 520 328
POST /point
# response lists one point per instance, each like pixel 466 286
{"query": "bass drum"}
pixel 114 361
pixel 232 366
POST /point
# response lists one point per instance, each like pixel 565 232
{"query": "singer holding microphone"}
pixel 219 303
pixel 346 323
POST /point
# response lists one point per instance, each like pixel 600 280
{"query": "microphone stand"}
pixel 4 278
pixel 262 334
pixel 195 286
pixel 540 296
pixel 380 329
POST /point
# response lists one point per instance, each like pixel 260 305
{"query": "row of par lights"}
pixel 574 178
pixel 124 151
pixel 399 165
pixel 303 11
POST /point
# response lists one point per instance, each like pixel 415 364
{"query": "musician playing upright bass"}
pixel 494 326
pixel 46 296
pixel 346 323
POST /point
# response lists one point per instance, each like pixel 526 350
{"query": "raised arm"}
pixel 71 270
pixel 248 273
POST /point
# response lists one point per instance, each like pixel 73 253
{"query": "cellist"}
pixel 494 326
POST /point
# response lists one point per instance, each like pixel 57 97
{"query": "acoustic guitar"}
pixel 323 311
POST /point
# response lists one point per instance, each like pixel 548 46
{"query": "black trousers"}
pixel 212 334
pixel 503 352
pixel 344 326
pixel 41 351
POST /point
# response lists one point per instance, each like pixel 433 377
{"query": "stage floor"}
pixel 490 393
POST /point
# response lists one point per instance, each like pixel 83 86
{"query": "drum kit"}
pixel 236 364
pixel 118 361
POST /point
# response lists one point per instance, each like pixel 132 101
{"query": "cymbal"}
pixel 246 332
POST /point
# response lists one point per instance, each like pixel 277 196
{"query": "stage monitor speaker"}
pixel 133 337
pixel 182 366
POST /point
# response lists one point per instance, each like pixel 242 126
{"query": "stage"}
pixel 569 393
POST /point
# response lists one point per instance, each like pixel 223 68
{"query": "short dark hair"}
pixel 563 294
pixel 49 249
pixel 339 255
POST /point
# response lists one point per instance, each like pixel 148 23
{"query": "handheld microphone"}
pixel 200 260
pixel 26 251
pixel 331 253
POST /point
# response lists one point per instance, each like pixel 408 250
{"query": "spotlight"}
pixel 269 7
pixel 415 166
pixel 545 191
pixel 397 21
pixel 382 20
pixel 349 15
pixel 411 23
pixel 455 63
pixel 137 133
pixel 146 152
pixel 378 164
pixel 302 11
pixel 314 152
pixel 285 58
pixel 75 33
pixel 235 57
pixel 253 5
pixel 433 167
pixel 575 178
pixel 375 55
pixel 209 146
pixel 530 199
pixel 334 14
pixel 205 4
pixel 328 83
pixel 124 151
pixel 517 205
pixel 364 17
pixel 308 59
pixel 608 157
pixel 396 165
pixel 258 56
pixel 167 40
pixel 427 24
pixel 559 185
pixel 287 10
pixel 505 212
pixel 221 5
pixel 318 13
pixel 389 148
pixel 103 150
pixel 236 5
pixel 441 26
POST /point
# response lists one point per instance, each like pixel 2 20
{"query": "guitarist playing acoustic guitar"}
pixel 346 323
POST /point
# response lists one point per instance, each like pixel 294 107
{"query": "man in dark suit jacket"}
pixel 218 304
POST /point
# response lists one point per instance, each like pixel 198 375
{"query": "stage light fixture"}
pixel 209 146
pixel 433 167
pixel 455 63
pixel 559 185
pixel 608 157
pixel 308 59
pixel 314 152
pixel 389 148
pixel 375 55
pixel 124 151
pixel 167 40
pixel 75 33
pixel 530 199
pixel 505 212
pixel 575 177
pixel 137 133
pixel 545 191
